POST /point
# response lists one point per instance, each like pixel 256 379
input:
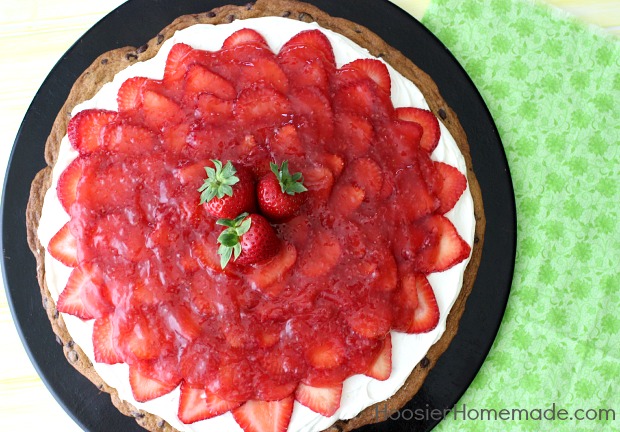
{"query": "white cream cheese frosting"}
pixel 359 391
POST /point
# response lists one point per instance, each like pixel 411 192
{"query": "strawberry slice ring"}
pixel 226 242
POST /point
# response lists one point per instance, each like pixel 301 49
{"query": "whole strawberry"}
pixel 249 238
pixel 227 191
pixel 280 194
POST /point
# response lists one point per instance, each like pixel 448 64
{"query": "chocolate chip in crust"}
pixel 305 17
pixel 442 113
pixel 425 362
pixel 143 48
pixel 286 14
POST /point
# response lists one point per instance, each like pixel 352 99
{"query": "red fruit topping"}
pixel 212 109
pixel 367 175
pixel 249 237
pixel 262 107
pixel 286 143
pixel 160 111
pixel 416 306
pixel 66 189
pixel 244 37
pixel 429 123
pixel 354 134
pixel 129 139
pixel 259 416
pixel 268 274
pixel 263 72
pixel 199 79
pixel 315 40
pixel 443 247
pixel 451 186
pixel 228 191
pixel 305 303
pixel 322 400
pixel 103 342
pixel 196 404
pixel 129 97
pixel 375 70
pixel 280 193
pixel 145 388
pixel 85 295
pixel 346 199
pixel 325 352
pixel 84 129
pixel 381 369
pixel 322 255
pixel 179 58
pixel 192 404
pixel 63 247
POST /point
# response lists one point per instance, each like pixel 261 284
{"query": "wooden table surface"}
pixel 33 36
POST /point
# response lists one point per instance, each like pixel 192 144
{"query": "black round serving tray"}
pixel 137 21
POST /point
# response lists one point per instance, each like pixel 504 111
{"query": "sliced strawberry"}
pixel 413 198
pixel 363 98
pixel 429 123
pixel 346 199
pixel 286 143
pixel 260 416
pixel 141 338
pixel 84 129
pixel 334 162
pixel 63 247
pixel 326 352
pixel 367 175
pixel 259 107
pixel 182 320
pixel 144 388
pixel 322 254
pixel 160 111
pixel 444 247
pixel 174 139
pixel 322 400
pixel 217 406
pixel 196 404
pixel 212 109
pixel 313 114
pixel 193 173
pixel 387 273
pixel 304 67
pixel 371 322
pixel 129 96
pixel 245 36
pixel 381 369
pixel 426 315
pixel 376 70
pixel 452 185
pixel 315 40
pixel 319 180
pixel 353 134
pixel 128 138
pixel 263 72
pixel 84 296
pixel 103 342
pixel 265 276
pixel 192 406
pixel 179 58
pixel 66 189
pixel 199 79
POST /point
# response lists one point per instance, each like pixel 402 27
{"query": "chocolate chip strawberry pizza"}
pixel 254 223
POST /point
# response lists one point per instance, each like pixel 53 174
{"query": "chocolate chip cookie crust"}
pixel 105 67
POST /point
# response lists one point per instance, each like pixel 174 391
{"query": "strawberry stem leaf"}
pixel 219 181
pixel 289 183
pixel 230 238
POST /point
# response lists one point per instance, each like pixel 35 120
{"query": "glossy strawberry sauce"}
pixel 351 265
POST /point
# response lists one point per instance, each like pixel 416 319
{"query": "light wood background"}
pixel 33 36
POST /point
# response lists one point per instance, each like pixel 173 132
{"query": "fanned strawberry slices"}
pixel 253 225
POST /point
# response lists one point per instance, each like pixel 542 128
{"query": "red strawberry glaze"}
pixel 322 308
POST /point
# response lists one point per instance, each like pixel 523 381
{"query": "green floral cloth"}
pixel 553 88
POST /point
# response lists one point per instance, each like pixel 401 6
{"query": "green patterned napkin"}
pixel 553 88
